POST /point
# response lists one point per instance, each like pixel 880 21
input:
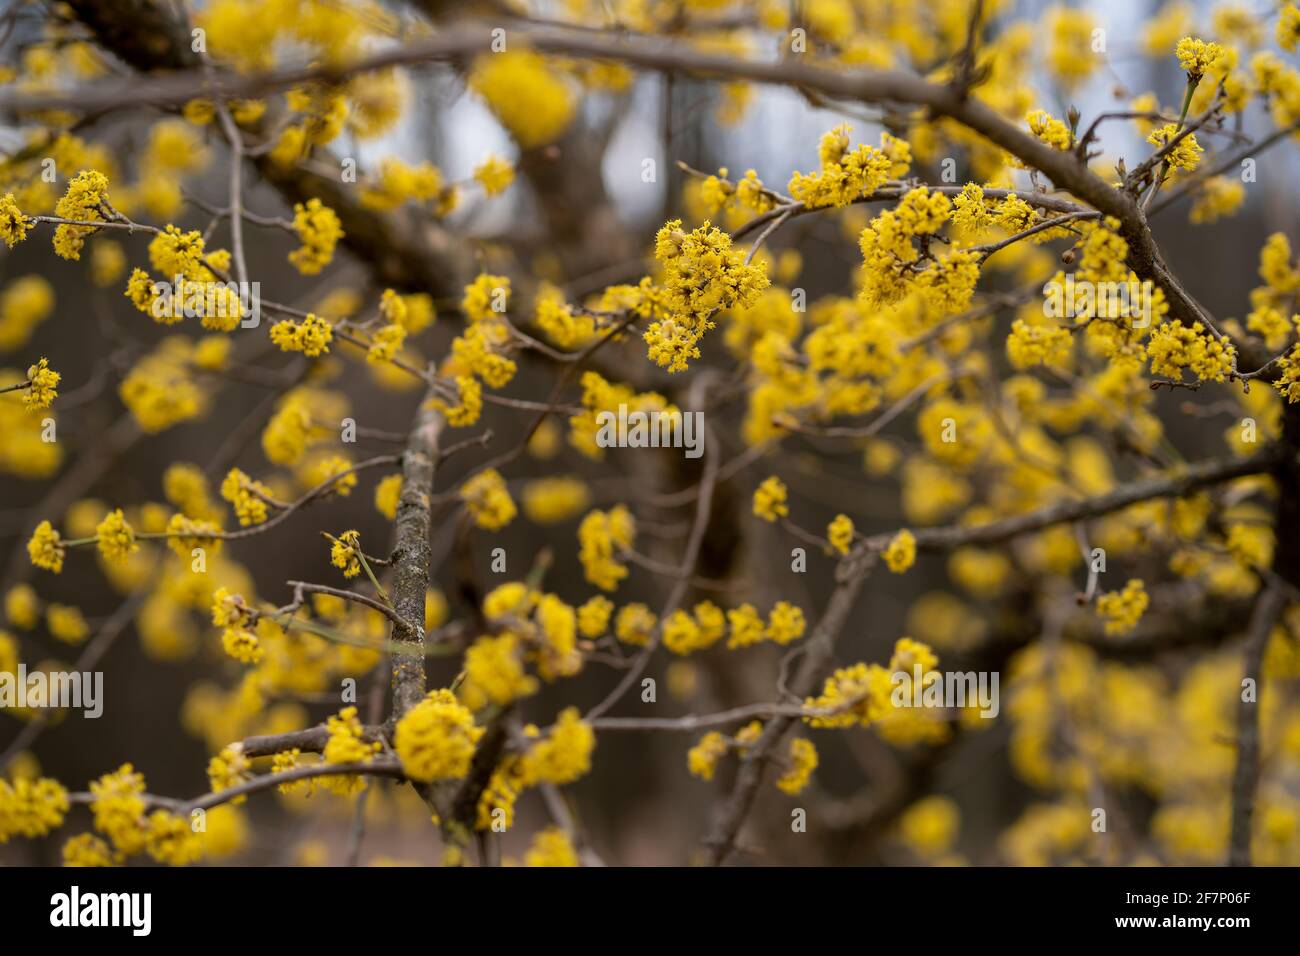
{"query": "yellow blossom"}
pixel 770 499
pixel 802 763
pixel 387 494
pixel 115 537
pixel 46 548
pixel 246 495
pixel 900 554
pixel 435 739
pixel 1121 610
pixel 525 93
pixel 488 500
pixel 319 231
pixel 344 551
pixel 551 847
pixel 13 224
pixel 42 391
pixel 495 175
pixel 311 336
pixel 839 533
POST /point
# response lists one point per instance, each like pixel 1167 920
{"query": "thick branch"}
pixel 412 557
pixel 1072 509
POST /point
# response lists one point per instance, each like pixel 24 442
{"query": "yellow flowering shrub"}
pixel 478 475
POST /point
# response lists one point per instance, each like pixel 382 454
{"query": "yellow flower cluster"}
pixel 552 500
pixel 930 825
pixel 1040 343
pixel 13 224
pixel 344 551
pixel 469 403
pixel 347 743
pixel 556 637
pixel 488 500
pixel 84 201
pixel 862 694
pixel 801 762
pixel 839 534
pixel 311 336
pixel 1174 347
pixel 561 757
pixel 701 274
pixel 242 645
pixel 24 304
pixel 900 553
pixel 1197 57
pixel 46 548
pixel 1046 127
pixel 183 256
pixel 785 623
pixel 894 265
pixel 635 624
pixel 319 231
pixel 87 850
pixel 529 98
pixel 160 390
pixel 385 342
pixel 599 395
pixel 1070 53
pixel 115 538
pixel 31 808
pixel 169 838
pixel 685 632
pixel 1121 610
pixel 1288 383
pixel 476 352
pixel 973 215
pixel 494 671
pixel 563 326
pixel 594 615
pixel 43 387
pixel 331 472
pixel 66 623
pixel 246 495
pixel 228 769
pixel 746 626
pixel 1186 153
pixel 21 609
pixel 770 499
pixel 387 495
pixel 1102 260
pixel 847 175
pixel 397 183
pixel 185 486
pixel 718 193
pixel 551 847
pixel 536 627
pixel 702 759
pixel 435 739
pixel 1288 27
pixel 495 175
pixel 185 534
pixel 602 535
pixel 118 807
pixel 486 297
